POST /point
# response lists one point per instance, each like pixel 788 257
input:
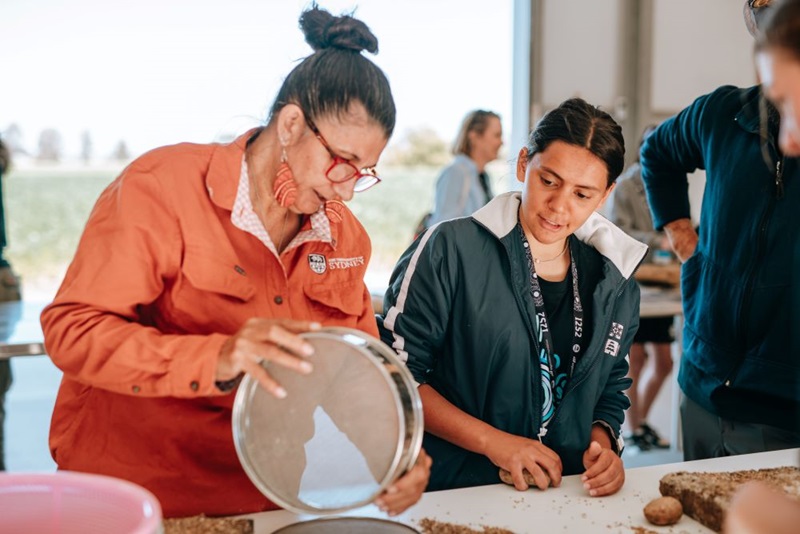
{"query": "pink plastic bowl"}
pixel 75 503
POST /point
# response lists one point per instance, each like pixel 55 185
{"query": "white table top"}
pixel 564 509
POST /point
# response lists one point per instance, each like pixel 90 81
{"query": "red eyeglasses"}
pixel 341 170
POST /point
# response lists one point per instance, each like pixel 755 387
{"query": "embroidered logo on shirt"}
pixel 345 263
pixel 616 330
pixel 611 348
pixel 317 263
pixel 612 345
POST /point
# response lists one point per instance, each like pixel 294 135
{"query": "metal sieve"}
pixel 342 435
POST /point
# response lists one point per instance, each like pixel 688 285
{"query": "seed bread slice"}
pixel 200 524
pixel 706 496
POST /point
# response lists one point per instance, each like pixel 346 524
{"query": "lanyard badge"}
pixel 547 357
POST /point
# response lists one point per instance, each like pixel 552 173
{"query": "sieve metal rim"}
pixel 322 522
pixel 372 349
pixel 415 425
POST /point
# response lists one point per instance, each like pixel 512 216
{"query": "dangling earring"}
pixel 284 187
pixel 334 210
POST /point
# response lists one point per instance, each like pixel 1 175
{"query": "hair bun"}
pixel 323 30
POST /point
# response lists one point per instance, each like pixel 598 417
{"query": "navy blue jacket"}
pixel 738 360
pixel 459 311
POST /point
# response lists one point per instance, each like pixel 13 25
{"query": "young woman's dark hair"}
pixel 781 28
pixel 579 123
pixel 328 81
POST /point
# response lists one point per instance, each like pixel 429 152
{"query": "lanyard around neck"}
pixel 544 336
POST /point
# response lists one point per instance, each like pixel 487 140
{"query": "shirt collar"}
pixel 226 162
pixel 317 226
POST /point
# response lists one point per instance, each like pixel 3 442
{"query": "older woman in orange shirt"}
pixel 200 262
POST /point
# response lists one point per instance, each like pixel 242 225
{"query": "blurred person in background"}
pixel 738 372
pixel 464 186
pixel 9 281
pixel 629 211
pixel 201 263
pixel 9 290
pixel 778 62
pixel 757 508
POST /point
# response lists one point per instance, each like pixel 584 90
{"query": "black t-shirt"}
pixel 558 304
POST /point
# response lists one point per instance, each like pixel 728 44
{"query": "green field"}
pixel 46 210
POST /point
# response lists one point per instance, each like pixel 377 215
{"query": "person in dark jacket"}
pixel 738 372
pixel 755 508
pixel 516 321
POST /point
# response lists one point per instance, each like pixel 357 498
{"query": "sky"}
pixel 156 72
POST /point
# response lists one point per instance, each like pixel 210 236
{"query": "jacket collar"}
pixel 749 116
pixel 224 169
pixel 500 217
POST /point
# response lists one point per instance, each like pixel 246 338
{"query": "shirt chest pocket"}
pixel 342 303
pixel 210 292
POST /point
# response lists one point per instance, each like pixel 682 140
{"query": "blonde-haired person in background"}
pixel 464 186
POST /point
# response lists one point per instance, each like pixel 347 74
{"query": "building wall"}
pixel 641 60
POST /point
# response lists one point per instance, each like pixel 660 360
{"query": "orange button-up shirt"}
pixel 160 280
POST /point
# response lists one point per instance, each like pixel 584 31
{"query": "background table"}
pixel 20 330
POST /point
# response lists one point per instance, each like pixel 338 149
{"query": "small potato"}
pixel 505 476
pixel 663 511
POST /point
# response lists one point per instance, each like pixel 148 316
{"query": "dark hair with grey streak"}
pixel 336 75
pixel 755 12
pixel 579 123
pixel 781 28
pixel 476 121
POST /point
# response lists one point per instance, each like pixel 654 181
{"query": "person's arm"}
pixel 672 151
pixel 757 508
pixel 93 329
pixel 682 238
pixel 613 401
pixel 97 330
pixel 512 453
pixel 605 472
